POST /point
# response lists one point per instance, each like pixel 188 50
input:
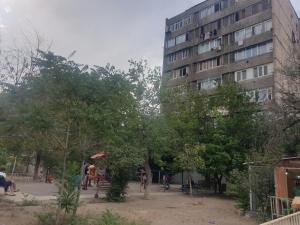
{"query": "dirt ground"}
pixel 161 209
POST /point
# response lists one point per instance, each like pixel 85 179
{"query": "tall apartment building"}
pixel 246 41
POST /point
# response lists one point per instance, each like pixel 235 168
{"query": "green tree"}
pixel 153 132
pixel 224 121
pixel 190 159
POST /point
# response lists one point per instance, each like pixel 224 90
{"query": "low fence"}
pixel 293 219
pixel 21 177
pixel 281 207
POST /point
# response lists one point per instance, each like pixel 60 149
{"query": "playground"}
pixel 163 208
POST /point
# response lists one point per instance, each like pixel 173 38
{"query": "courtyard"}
pixel 163 208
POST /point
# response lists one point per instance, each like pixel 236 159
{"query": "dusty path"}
pixel 175 210
pixel 170 208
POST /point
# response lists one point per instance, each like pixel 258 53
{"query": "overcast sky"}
pixel 101 31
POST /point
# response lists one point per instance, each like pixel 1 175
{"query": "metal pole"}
pixel 14 167
pixel 159 177
pixel 250 192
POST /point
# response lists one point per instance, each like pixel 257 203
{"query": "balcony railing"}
pixel 293 219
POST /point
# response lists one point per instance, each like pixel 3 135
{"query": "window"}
pixel 180 24
pixel 249 32
pixel 180 39
pixel 241 75
pixel 239 35
pixel 253 30
pixel 254 72
pixel 171 43
pixel 249 53
pixel 183 72
pixel 172 58
pixel 260 95
pixel 179 73
pixel 228 20
pixel 209 45
pixel 255 9
pixel 258 29
pixel 207 11
pixel 253 51
pixel 209 84
pixel 208 64
pixel 224 4
pixel 263 70
pixel 268 25
pixel 203 48
pixel 185 53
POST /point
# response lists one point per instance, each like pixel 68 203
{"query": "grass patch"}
pixel 107 218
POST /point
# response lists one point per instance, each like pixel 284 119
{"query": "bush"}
pixel 239 187
pixel 117 190
pixel 49 219
pixel 68 193
pixel 107 218
pixel 261 182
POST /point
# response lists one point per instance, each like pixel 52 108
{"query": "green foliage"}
pixel 190 159
pixel 109 218
pixel 68 190
pixel 258 179
pixel 239 187
pixel 292 144
pixel 106 218
pixel 49 219
pixel 3 157
pixel 117 190
pixel 224 122
pixel 263 186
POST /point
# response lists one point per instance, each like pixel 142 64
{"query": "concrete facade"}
pixel 246 41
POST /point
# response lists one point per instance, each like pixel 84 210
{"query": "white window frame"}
pixel 180 39
pixel 208 84
pixel 171 43
pixel 248 32
pixel 256 50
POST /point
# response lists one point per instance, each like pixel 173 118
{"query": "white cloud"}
pixel 7 9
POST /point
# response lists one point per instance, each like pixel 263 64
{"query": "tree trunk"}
pixel 216 183
pixel 207 181
pixel 149 177
pixel 79 190
pixel 65 152
pixel 190 183
pixel 220 184
pixel 37 166
pixel 27 165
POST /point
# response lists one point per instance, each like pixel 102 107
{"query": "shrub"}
pixel 239 188
pixel 49 219
pixel 107 218
pixel 117 190
pixel 68 193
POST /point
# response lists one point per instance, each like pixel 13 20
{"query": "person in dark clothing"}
pixel 86 176
pixel 6 183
